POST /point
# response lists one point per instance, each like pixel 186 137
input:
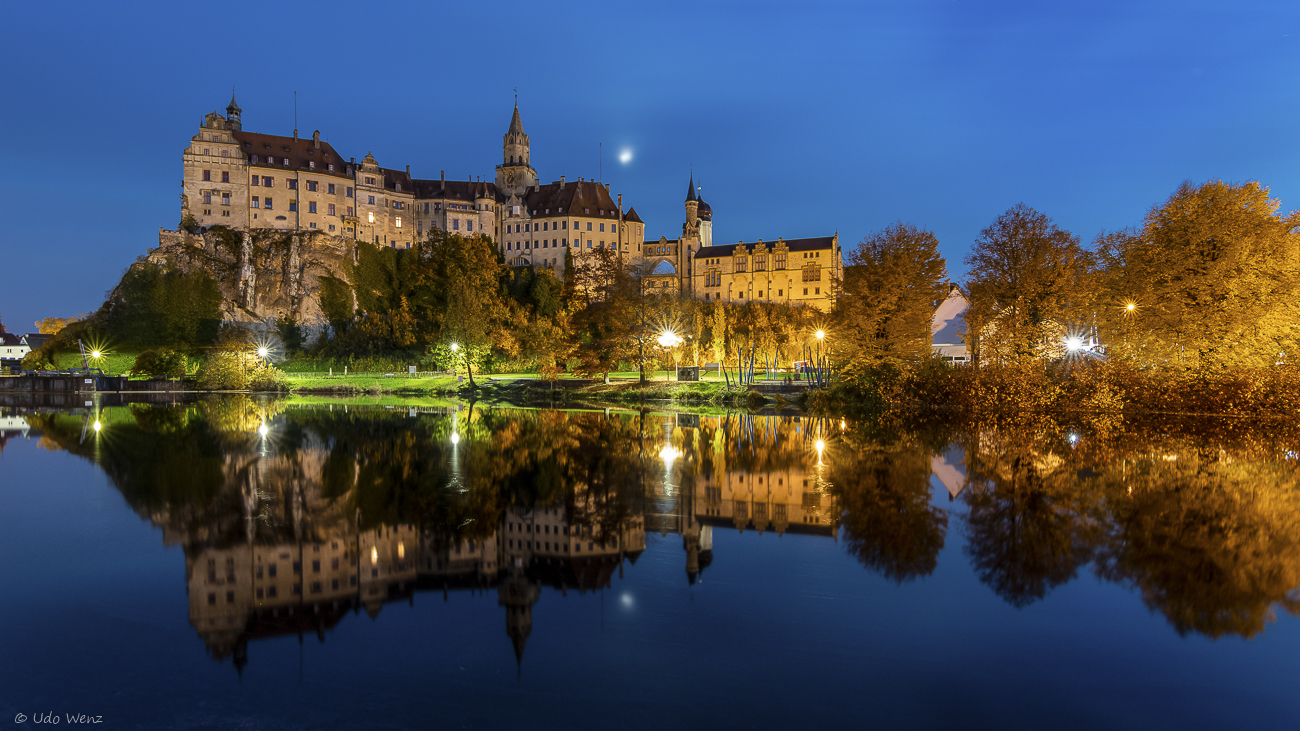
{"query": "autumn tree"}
pixel 460 280
pixel 883 311
pixel 1208 280
pixel 1027 283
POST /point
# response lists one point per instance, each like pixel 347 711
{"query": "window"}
pixel 330 167
pixel 225 153
pixel 399 221
pixel 207 197
pixel 331 209
pixel 286 162
pixel 370 181
pixel 741 264
pixel 293 205
pixel 588 225
pixel 371 216
pixel 780 261
pixel 270 570
pixel 469 225
pixel 311 164
pixel 780 293
pixel 812 273
pixel 254 159
pixel 331 189
pixel 268 182
pixel 817 290
pixel 564 225
pixel 267 204
pixel 225 199
pixel 527 226
pixel 207 175
pixel 311 185
pixel 455 224
pixel 602 227
pixel 349 193
pixel 351 211
pixel 207 151
pixel 805 291
pixel 292 184
pixel 215 138
pixel 255 201
pixel 225 176
pixel 760 263
pixel 371 200
pixel 255 179
pixel 311 206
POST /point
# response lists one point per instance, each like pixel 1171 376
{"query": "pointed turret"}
pixel 516 124
pixel 233 112
pixel 690 190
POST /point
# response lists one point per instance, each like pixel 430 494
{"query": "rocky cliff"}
pixel 262 275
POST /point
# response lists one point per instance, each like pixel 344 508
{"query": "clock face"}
pixel 510 179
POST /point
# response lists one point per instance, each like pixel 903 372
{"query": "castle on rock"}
pixel 250 181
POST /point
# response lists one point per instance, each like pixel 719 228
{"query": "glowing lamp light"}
pixel 454 347
pixel 668 454
pixel 1130 307
pixel 668 338
pixel 401 549
pixel 455 438
pixel 262 352
pixel 821 334
pixel 96 354
pixel 820 445
pixel 262 430
pixel 1073 345
pixel 98 426
pixel 374 555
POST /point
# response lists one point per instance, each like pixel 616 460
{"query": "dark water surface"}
pixel 457 567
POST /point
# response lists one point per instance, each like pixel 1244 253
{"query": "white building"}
pixel 946 336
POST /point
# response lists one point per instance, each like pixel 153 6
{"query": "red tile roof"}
pixel 300 153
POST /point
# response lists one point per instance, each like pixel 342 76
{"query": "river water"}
pixel 236 563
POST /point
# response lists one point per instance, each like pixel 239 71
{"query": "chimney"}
pixel 315 139
pixel 408 171
pixel 444 179
pixel 561 181
pixel 606 187
pixel 352 160
pixel 295 134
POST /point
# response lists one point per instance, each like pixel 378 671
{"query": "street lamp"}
pixel 262 352
pixel 1073 344
pixel 670 339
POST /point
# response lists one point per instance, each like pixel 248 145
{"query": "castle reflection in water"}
pixel 336 511
pixel 292 517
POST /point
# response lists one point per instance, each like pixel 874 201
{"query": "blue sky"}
pixel 799 119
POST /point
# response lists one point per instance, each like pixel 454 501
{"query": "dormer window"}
pixel 254 159
pixel 215 138
pixel 286 162
pixel 586 210
pixel 331 167
pixel 311 164
pixel 399 187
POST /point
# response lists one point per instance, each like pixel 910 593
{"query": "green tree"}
pixel 1027 282
pixel 1208 280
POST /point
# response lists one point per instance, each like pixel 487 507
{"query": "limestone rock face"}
pixel 262 275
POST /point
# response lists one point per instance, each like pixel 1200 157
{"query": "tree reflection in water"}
pixel 339 508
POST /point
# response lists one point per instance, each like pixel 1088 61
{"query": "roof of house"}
pixel 662 268
pixel 632 216
pixel 814 244
pixel 949 319
pixel 10 339
pixel 465 190
pixel 300 152
pixel 581 198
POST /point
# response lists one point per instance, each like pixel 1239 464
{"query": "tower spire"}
pixel 690 189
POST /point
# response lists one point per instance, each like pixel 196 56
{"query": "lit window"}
pixel 371 215
pixel 399 221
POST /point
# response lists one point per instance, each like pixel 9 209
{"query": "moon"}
pixel 625 155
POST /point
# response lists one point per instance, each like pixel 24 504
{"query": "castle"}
pixel 252 181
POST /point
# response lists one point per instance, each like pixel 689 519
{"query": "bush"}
pixel 38 360
pixel 239 370
pixel 160 362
